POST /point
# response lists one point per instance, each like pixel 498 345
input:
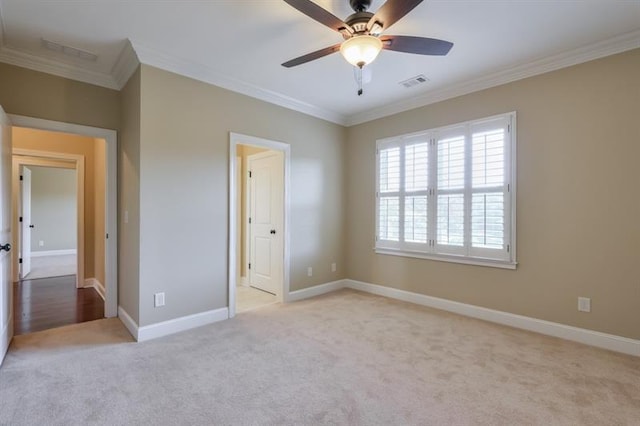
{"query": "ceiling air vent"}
pixel 414 81
pixel 72 52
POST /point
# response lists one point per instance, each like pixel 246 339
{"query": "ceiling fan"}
pixel 362 33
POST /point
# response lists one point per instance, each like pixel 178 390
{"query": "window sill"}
pixel 449 258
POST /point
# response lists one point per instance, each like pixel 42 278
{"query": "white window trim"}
pixel 394 248
pixel 465 260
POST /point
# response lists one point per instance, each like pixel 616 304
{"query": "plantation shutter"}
pixel 450 220
pixel 490 189
pixel 416 172
pixel 447 193
pixel 389 195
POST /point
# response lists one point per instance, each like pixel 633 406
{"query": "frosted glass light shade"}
pixel 361 50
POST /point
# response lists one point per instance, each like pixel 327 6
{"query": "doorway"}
pixel 58 212
pixel 104 243
pixel 258 239
pixel 48 221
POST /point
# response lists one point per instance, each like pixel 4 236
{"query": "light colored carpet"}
pixel 52 266
pixel 343 358
pixel 248 298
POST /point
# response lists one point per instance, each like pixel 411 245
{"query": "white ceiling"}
pixel 240 45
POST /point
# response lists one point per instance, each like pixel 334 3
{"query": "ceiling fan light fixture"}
pixel 361 50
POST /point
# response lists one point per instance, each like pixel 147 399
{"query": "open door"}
pixel 25 221
pixel 6 323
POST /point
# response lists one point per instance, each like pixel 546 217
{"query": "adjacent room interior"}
pixel 321 212
pixel 260 213
pixel 48 198
pixel 59 210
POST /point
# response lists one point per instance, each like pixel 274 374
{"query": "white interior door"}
pixel 25 225
pixel 266 221
pixel 6 324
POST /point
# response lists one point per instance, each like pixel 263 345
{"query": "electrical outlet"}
pixel 309 271
pixel 158 300
pixel 333 267
pixel 584 304
pixel 41 243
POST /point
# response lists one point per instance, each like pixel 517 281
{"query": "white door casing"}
pixel 25 224
pixel 284 149
pixel 265 227
pixel 6 288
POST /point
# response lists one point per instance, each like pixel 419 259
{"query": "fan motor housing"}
pixel 358 21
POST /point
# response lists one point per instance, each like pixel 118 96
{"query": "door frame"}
pixel 236 139
pixel 28 157
pixel 111 195
pixel 26 222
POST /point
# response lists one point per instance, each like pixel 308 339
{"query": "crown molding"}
pixel 598 50
pixel 125 65
pixel 154 58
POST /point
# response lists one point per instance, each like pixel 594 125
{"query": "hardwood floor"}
pixel 53 302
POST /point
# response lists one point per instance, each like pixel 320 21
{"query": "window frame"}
pixel 432 249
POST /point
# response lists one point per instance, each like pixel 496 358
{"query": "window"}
pixel 449 193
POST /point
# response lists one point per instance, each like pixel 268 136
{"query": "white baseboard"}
pixel 93 282
pixel 53 253
pixel 176 325
pixel 5 340
pixel 128 322
pixel 581 335
pixel 243 281
pixel 567 332
pixel 316 290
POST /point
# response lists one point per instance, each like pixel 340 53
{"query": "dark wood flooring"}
pixel 53 302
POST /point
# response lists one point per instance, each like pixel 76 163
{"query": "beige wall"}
pixel 578 141
pixel 578 199
pixel 184 169
pixel 40 95
pixel 129 198
pixel 40 140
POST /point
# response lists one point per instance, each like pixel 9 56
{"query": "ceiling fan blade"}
pixel 321 15
pixel 392 11
pixel 312 56
pixel 417 45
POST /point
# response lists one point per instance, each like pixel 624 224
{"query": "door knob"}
pixel 6 247
pixel 32 226
pixel 273 232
